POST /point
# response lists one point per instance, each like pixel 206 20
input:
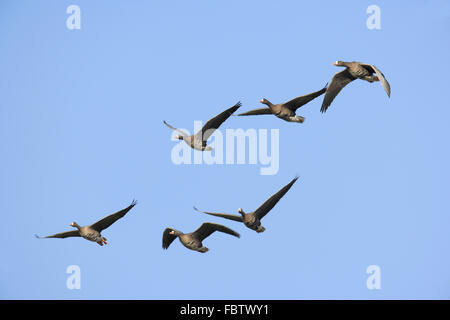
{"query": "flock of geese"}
pixel 252 220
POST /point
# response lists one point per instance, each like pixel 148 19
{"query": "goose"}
pixel 93 231
pixel 193 240
pixel 198 141
pixel 353 70
pixel 285 111
pixel 252 220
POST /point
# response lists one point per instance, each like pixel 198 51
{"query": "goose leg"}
pixel 371 78
pixel 104 240
pixel 100 243
pixel 260 229
pixel 298 119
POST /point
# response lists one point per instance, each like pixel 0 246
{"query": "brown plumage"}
pixel 93 231
pixel 253 219
pixel 198 141
pixel 285 111
pixel 193 240
pixel 353 70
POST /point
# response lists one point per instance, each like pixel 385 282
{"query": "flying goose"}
pixel 253 219
pixel 285 111
pixel 353 70
pixel 92 232
pixel 194 239
pixel 198 141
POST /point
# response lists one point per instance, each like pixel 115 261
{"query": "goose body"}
pixel 252 220
pixel 193 240
pixel 93 231
pixel 198 140
pixel 353 70
pixel 285 111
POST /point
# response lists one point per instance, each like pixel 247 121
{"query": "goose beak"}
pixel 262 101
pixel 335 63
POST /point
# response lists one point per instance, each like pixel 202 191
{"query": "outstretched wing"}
pixel 296 103
pixel 212 124
pixel 273 200
pixel 175 129
pixel 223 215
pixel 339 81
pixel 255 112
pixel 62 235
pixel 380 75
pixel 207 228
pixel 167 238
pixel 109 220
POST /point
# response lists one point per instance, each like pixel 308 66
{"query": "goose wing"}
pixel 62 235
pixel 212 124
pixel 109 220
pixel 223 215
pixel 175 129
pixel 167 238
pixel 380 75
pixel 207 228
pixel 339 81
pixel 296 103
pixel 255 112
pixel 273 200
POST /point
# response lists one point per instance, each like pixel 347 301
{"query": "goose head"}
pixel 265 101
pixel 241 212
pixel 75 225
pixel 175 232
pixel 179 137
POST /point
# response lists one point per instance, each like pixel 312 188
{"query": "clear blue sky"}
pixel 81 135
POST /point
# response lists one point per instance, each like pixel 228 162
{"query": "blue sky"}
pixel 81 136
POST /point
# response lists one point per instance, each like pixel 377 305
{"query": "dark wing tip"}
pixel 37 237
pixel 324 108
pixel 133 203
pixel 195 208
pixel 238 104
pixel 290 184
